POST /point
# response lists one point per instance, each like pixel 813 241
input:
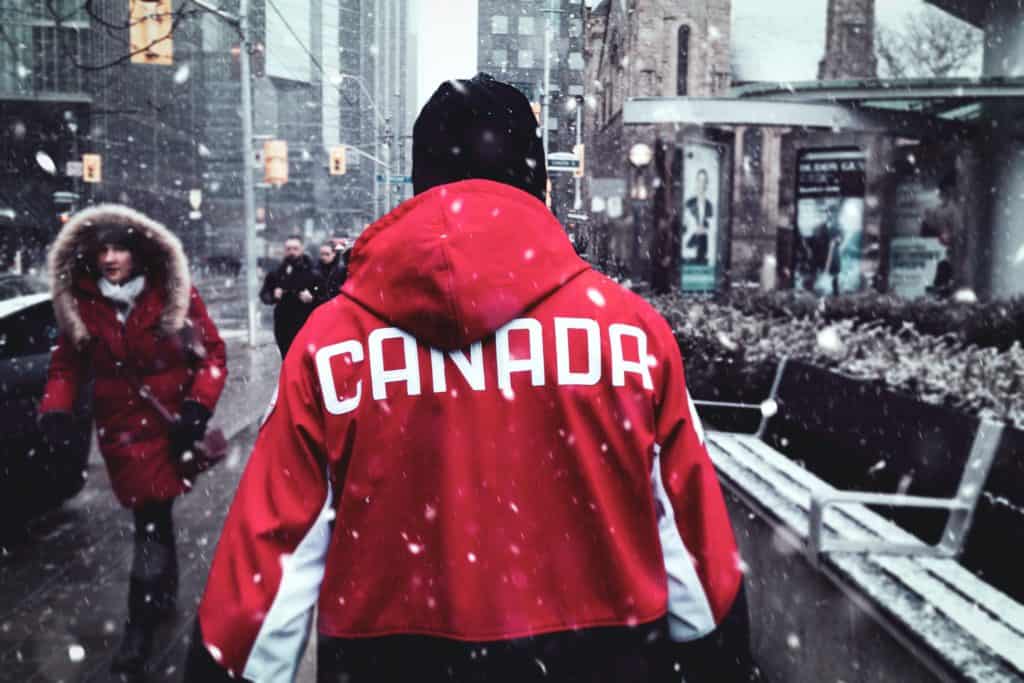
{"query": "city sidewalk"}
pixel 63 588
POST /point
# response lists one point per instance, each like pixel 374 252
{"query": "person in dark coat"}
pixel 293 290
pixel 332 269
pixel 129 317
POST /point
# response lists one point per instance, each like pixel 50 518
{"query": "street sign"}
pixel 73 169
pixel 396 179
pixel 563 162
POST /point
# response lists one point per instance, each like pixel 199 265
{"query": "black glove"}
pixel 190 428
pixel 57 428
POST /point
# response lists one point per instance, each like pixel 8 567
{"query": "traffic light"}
pixel 258 62
pixel 579 150
pixel 92 168
pixel 150 34
pixel 338 162
pixel 275 162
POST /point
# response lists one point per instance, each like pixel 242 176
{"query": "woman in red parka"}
pixel 129 317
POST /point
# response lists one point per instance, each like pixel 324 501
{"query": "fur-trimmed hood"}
pixel 72 257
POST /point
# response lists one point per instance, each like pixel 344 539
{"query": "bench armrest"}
pixel 961 507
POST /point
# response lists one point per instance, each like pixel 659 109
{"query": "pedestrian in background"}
pixel 332 268
pixel 293 289
pixel 129 318
pixel 484 464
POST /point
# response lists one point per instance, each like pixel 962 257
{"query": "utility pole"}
pixel 545 106
pixel 577 203
pixel 241 22
pixel 248 189
pixel 385 47
pixel 545 109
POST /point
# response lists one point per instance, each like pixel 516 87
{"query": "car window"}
pixel 29 332
pixel 9 290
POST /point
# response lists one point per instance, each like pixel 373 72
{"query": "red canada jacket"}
pixel 148 349
pixel 483 439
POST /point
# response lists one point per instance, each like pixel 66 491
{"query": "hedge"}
pixel 996 324
pixel 717 336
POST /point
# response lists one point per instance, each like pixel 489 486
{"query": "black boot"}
pixel 166 593
pixel 136 646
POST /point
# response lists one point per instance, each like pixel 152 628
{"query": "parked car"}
pixel 12 286
pixel 33 477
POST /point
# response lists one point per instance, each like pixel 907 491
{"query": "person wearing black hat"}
pixel 129 318
pixel 483 464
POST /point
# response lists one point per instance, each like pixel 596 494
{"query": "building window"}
pixel 575 28
pixel 683 60
pixel 499 24
pixel 526 59
pixel 576 61
pixel 500 58
pixel 526 27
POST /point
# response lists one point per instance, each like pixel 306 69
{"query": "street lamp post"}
pixel 248 189
pixel 241 22
pixel 385 122
pixel 545 110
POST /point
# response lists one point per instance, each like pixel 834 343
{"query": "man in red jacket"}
pixel 482 462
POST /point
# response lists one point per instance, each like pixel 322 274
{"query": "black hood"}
pixel 478 129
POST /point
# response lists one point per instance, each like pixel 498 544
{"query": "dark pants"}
pixel 700 243
pixel 596 655
pixel 153 586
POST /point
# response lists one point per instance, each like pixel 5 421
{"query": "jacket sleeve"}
pixel 698 544
pixel 265 577
pixel 63 378
pixel 267 291
pixel 212 371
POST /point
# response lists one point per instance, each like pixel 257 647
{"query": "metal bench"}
pixel 950 621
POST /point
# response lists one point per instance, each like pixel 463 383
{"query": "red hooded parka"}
pixel 149 348
pixel 501 437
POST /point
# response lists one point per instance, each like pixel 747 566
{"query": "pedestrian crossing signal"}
pixel 92 168
pixel 338 161
pixel 579 150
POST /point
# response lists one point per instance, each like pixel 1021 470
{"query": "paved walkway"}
pixel 63 587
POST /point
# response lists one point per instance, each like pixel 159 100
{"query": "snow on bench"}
pixel 922 596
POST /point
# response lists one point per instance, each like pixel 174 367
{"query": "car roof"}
pixel 19 303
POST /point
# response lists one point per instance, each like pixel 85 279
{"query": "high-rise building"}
pixel 511 48
pixel 68 88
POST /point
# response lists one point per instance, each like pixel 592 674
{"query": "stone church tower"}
pixel 849 41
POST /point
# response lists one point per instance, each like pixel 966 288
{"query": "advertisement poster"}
pixel 913 265
pixel 829 221
pixel 700 217
pixel 926 216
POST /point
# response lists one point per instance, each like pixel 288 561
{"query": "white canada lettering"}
pixel 568 333
pixel 566 375
pixel 620 366
pixel 335 405
pixel 472 368
pixel 410 373
pixel 533 363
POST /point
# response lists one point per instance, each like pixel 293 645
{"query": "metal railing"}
pixel 961 507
